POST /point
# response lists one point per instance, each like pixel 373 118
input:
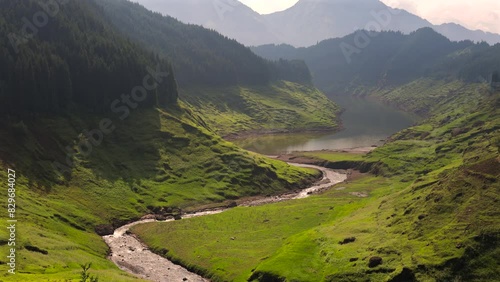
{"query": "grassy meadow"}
pixel 430 212
pixel 154 160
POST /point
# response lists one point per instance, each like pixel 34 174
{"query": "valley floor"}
pixel 131 255
pixel 427 212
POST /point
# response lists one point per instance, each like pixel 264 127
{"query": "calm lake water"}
pixel 366 123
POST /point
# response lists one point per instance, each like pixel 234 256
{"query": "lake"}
pixel 366 123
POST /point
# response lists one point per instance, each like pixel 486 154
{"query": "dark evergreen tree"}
pixel 199 56
pixel 76 57
pixel 495 77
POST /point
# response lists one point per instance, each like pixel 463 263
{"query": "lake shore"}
pixel 271 132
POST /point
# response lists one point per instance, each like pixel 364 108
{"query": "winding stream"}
pixel 132 256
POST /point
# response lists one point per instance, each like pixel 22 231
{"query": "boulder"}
pixel 375 261
pixel 104 229
pixel 347 240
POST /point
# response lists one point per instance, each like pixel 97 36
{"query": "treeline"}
pixel 291 70
pixel 199 56
pixel 475 63
pixel 52 57
pixel 389 58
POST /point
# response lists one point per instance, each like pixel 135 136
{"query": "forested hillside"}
pixel 75 59
pixel 85 64
pixel 233 89
pixel 387 59
pixel 99 134
pixel 91 152
pixel 200 56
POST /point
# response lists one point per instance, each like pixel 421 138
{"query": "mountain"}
pixel 457 32
pixel 229 17
pixel 199 56
pixel 95 133
pixel 311 21
pixel 69 63
pixel 222 79
pixel 84 166
pixel 389 59
pixel 307 22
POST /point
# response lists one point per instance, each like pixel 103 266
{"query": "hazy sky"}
pixel 473 14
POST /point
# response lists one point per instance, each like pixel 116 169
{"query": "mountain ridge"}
pixel 222 78
pixel 153 157
pixel 341 66
pixel 308 21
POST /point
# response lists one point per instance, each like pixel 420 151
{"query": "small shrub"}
pixel 85 276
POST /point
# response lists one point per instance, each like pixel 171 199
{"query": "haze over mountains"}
pixel 391 58
pixel 307 22
pixel 111 113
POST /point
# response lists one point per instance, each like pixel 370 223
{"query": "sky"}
pixel 473 14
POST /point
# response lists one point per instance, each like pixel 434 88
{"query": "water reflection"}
pixel 366 123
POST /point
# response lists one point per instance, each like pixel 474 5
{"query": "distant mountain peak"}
pixel 429 32
pixel 307 22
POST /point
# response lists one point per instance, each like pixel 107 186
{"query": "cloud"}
pixel 479 14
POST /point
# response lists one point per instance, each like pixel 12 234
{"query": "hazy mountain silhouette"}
pixel 229 17
pixel 310 21
pixel 306 23
pixel 457 32
pixel 390 59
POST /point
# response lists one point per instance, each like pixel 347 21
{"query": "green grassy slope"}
pixel 420 96
pixel 439 227
pixel 430 215
pixel 279 107
pixel 160 161
pixel 206 244
pixel 154 160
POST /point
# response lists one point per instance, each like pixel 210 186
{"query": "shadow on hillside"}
pixel 36 147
